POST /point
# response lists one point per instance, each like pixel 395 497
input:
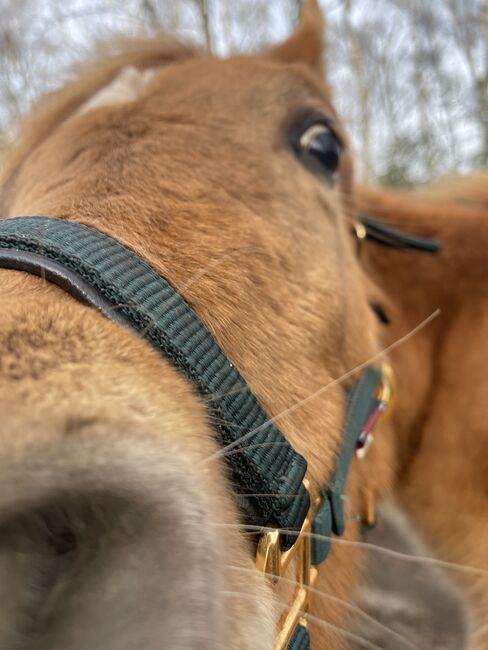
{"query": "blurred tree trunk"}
pixel 421 43
pixel 483 82
pixel 298 5
pixel 174 17
pixel 479 79
pixel 11 72
pixel 204 14
pixel 226 25
pixel 359 68
pixel 150 13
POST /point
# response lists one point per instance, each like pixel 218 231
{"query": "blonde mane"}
pixel 470 190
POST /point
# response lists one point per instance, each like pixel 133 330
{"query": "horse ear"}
pixel 306 44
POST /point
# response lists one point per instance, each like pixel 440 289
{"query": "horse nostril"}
pixel 108 537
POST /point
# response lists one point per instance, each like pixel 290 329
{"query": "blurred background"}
pixel 410 77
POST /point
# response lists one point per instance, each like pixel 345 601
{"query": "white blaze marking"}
pixel 126 87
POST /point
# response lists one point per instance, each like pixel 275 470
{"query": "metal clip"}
pixel 384 396
pixel 370 513
pixel 361 235
pixel 274 563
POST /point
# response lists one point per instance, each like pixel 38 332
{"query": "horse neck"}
pixel 413 287
pixel 461 229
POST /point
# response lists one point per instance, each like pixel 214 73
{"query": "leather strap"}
pixel 380 233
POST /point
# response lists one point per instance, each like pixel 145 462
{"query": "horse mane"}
pixel 429 208
pixel 470 189
pixel 87 78
pixel 451 212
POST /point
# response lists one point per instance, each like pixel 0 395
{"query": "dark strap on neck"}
pixel 330 517
pixel 300 639
pixel 102 273
pixel 380 233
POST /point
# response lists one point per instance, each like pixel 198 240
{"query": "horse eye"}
pixel 320 148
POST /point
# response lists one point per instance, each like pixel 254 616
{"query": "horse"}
pixel 440 416
pixel 232 178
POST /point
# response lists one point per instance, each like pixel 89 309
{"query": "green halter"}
pixel 101 272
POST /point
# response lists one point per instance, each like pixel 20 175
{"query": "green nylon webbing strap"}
pixel 300 639
pixel 330 515
pixel 266 463
pixel 136 296
pixel 329 518
pixel 386 235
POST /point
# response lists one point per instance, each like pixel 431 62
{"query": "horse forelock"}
pixel 87 78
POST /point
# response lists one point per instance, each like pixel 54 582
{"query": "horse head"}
pixel 232 180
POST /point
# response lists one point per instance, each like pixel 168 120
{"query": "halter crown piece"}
pixel 102 273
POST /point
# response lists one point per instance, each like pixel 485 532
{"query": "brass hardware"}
pixel 370 514
pixel 386 397
pixel 388 386
pixel 360 230
pixel 361 235
pixel 273 562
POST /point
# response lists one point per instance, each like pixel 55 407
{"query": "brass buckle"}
pixel 360 231
pixel 274 563
pixel 388 387
pixel 386 396
pixel 361 235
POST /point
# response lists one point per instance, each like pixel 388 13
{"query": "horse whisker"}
pixel 223 451
pixel 351 607
pixel 421 559
pixel 314 619
pixel 198 275
pixel 478 633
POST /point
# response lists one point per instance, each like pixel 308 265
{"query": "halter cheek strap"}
pixel 102 273
pixel 369 229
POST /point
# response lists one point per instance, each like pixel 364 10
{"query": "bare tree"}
pixel 203 8
pixel 226 25
pixel 357 58
pixel 483 80
pixel 463 35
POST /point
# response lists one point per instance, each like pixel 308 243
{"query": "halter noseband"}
pixel 102 273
